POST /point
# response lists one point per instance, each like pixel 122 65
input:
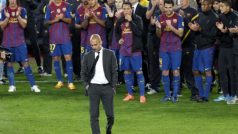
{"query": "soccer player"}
pixel 189 14
pixel 58 17
pixel 79 18
pixel 234 30
pixel 2 59
pixel 92 20
pixel 75 34
pixel 226 58
pixel 170 29
pixel 205 36
pixel 30 31
pixel 13 21
pixel 129 30
pixel 114 13
pixel 156 7
pixel 216 10
pixel 113 16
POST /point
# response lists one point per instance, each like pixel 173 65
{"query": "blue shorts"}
pixel 60 49
pixel 19 54
pixel 171 60
pixel 131 63
pixel 85 50
pixel 203 59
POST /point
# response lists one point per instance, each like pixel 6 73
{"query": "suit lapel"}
pixel 104 56
pixel 137 9
pixel 92 57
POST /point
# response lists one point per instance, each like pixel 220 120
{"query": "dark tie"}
pixel 95 61
pixel 92 71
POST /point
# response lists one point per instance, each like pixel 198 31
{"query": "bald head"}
pixel 96 42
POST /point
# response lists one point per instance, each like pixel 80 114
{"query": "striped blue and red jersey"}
pixel 79 18
pixel 58 32
pixel 169 41
pixel 95 28
pixel 114 44
pixel 127 36
pixel 13 33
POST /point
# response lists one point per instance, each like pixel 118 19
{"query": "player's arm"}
pixel 78 26
pixel 150 11
pixel 137 26
pixel 101 21
pixel 4 23
pixel 85 23
pixel 158 31
pixel 158 27
pixel 180 29
pixel 77 20
pixel 48 21
pixel 22 21
pixel 66 20
pixel 4 19
pixel 22 17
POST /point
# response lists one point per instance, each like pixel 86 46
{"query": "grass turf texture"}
pixel 66 112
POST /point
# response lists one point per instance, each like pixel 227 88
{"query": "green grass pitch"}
pixel 66 112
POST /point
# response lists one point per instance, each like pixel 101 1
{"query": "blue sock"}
pixel 69 69
pixel 208 86
pixel 1 70
pixel 141 83
pixel 176 85
pixel 128 81
pixel 58 70
pixel 166 83
pixel 199 85
pixel 132 79
pixel 29 75
pixel 10 75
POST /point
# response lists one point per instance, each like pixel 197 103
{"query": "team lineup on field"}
pixel 156 46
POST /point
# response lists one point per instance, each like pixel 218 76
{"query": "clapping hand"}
pixel 168 23
pixel 109 11
pixel 234 29
pixel 219 25
pixel 128 17
pixel 121 41
pixel 119 13
pixel 6 14
pixel 157 23
pixel 153 20
pixel 18 12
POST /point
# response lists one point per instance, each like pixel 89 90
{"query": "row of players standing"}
pixel 128 36
pixel 189 40
pixel 140 32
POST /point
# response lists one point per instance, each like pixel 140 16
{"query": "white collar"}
pixel 100 51
pixel 135 6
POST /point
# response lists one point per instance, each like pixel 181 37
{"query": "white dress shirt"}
pixel 99 76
